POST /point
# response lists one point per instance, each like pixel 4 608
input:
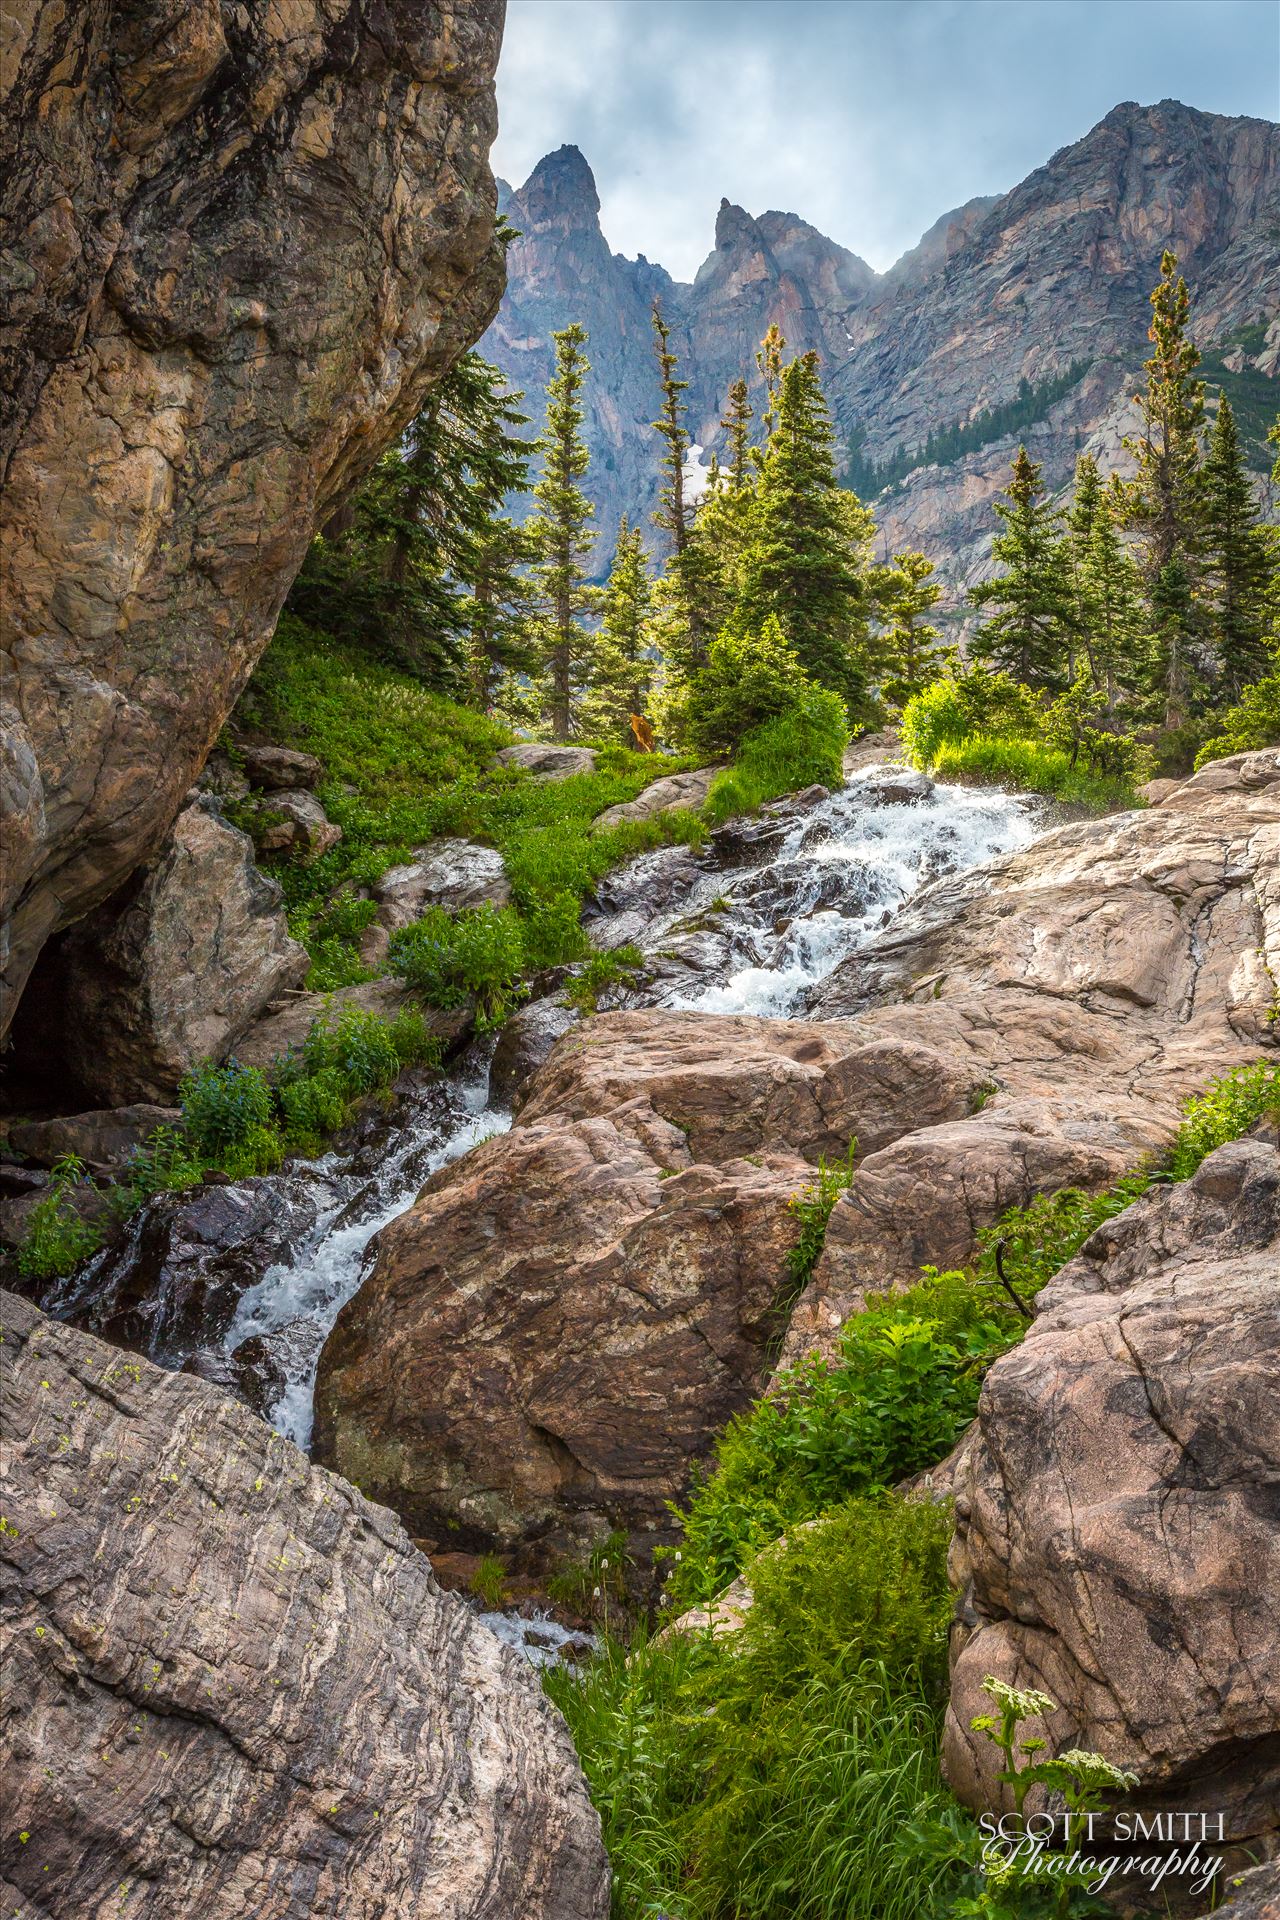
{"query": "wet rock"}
pixel 300 1719
pixel 445 873
pixel 105 1140
pixel 676 790
pixel 546 762
pixel 1116 1537
pixel 752 835
pixel 249 249
pixel 295 822
pixel 172 1285
pixel 84 1201
pixel 281 769
pixel 871 750
pixel 177 968
pixel 626 903
pixel 525 1044
pixel 893 786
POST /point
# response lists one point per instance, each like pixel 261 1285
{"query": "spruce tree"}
pixel 1081 520
pixel 690 572
pixel 736 425
pixel 769 361
pixel 561 529
pixel 1166 500
pixel 804 562
pixel 1237 560
pixel 621 669
pixel 1109 597
pixel 501 636
pixel 909 644
pixel 1029 635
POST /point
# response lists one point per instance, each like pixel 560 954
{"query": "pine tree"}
pixel 690 571
pixel 1030 634
pixel 561 529
pixel 393 570
pixel 1237 560
pixel 1081 521
pixel 621 668
pixel 736 425
pixel 805 561
pixel 501 635
pixel 769 361
pixel 1109 597
pixel 1166 501
pixel 909 644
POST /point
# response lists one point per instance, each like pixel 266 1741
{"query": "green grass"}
pixel 798 749
pixel 403 765
pixel 991 760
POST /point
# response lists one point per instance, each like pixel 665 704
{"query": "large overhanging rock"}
pixel 234 1687
pixel 241 243
pixel 1117 1517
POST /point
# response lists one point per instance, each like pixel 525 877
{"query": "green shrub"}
pixel 812 1208
pixel 1031 767
pixel 800 748
pixel 228 1115
pixel 619 965
pixel 933 718
pixel 448 957
pixel 751 677
pixel 57 1239
pixel 358 1046
pixel 1254 723
pixel 1225 1111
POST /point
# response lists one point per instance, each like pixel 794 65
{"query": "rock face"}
pixel 445 873
pixel 281 769
pixel 660 796
pixel 1095 981
pixel 567 1316
pixel 260 1700
pixel 300 825
pixel 241 247
pixel 1047 283
pixel 104 1140
pixel 546 762
pixel 176 969
pixel 1117 1521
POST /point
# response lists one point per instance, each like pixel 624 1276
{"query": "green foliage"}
pixel 621 663
pixel 449 957
pixel 800 748
pixel 588 1587
pixel 751 676
pixel 967 701
pixel 812 1208
pixel 563 539
pixel 57 1239
pixel 1254 723
pixel 1225 1111
pixel 1028 633
pixel 1238 560
pixel 1027 766
pixel 948 444
pixel 618 967
pixel 488 1582
pixel 1041 1237
pixel 228 1115
pixel 907 648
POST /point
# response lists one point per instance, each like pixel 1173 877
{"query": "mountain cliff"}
pixel 1033 302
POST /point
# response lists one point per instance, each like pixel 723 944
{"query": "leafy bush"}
pixel 228 1115
pixel 1225 1111
pixel 967 701
pixel 1254 723
pixel 57 1239
pixel 932 718
pixel 800 748
pixel 447 957
pixel 1030 767
pixel 751 676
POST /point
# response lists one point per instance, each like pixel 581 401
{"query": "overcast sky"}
pixel 869 118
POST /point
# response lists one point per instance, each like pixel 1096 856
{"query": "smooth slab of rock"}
pixel 544 761
pixel 675 790
pixel 103 1140
pixel 281 769
pixel 445 873
pixel 1118 1507
pixel 176 969
pixel 233 1685
pixel 246 243
pixel 525 1044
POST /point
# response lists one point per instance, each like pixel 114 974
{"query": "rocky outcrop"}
pixel 258 1698
pixel 240 247
pixel 545 762
pixel 1254 1895
pixel 445 873
pixel 295 822
pixel 567 1317
pixel 281 769
pixel 660 796
pixel 176 969
pixel 1092 983
pixel 104 1140
pixel 1117 1542
pixel 1038 296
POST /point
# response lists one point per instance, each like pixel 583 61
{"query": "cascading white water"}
pixel 836 880
pixel 302 1299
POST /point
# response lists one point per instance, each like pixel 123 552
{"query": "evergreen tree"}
pixel 804 562
pixel 1237 559
pixel 1166 501
pixel 690 570
pixel 910 652
pixel 1081 521
pixel 769 361
pixel 394 568
pixel 1029 635
pixel 561 530
pixel 1109 598
pixel 736 425
pixel 501 636
pixel 621 669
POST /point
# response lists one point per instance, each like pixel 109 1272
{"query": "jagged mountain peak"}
pixel 562 189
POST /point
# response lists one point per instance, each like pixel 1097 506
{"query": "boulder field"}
pixel 241 245
pixel 233 1686
pixel 566 1317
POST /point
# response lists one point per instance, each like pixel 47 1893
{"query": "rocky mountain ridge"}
pixel 1040 293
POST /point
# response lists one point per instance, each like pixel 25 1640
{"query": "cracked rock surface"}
pixel 1118 1506
pixel 239 243
pixel 233 1688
